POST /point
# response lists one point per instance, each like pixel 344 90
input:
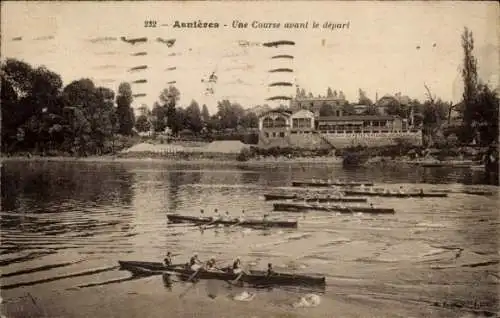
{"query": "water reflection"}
pixel 40 184
pixel 167 281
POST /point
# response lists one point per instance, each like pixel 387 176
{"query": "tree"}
pixel 179 121
pixel 469 75
pixel 480 111
pixel 159 117
pixel 486 114
pixel 326 110
pixel 250 120
pixel 229 114
pixel 169 98
pixel 205 115
pixel 363 99
pixel 329 92
pixel 124 111
pixel 341 95
pixel 193 117
pixel 142 123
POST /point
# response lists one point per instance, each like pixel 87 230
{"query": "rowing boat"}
pixel 251 277
pixel 273 197
pixel 396 195
pixel 176 218
pixel 326 183
pixel 294 207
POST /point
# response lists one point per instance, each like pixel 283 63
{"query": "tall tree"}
pixel 159 117
pixel 329 92
pixel 169 98
pixel 469 75
pixel 193 117
pixel 302 93
pixel 205 115
pixel 124 111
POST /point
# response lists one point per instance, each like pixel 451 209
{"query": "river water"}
pixel 64 226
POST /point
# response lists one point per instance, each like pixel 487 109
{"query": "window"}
pixel 267 135
pixel 267 123
pixel 282 134
pixel 280 122
pixel 337 113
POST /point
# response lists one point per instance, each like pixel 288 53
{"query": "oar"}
pixel 189 279
pixel 233 225
pixel 237 278
pixel 204 226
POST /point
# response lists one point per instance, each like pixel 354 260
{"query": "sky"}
pixel 388 48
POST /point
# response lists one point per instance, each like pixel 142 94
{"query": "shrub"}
pixel 245 155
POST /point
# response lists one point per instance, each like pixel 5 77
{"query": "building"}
pixel 314 104
pixel 302 126
pixel 302 122
pixel 367 130
pixel 361 124
pixel 275 124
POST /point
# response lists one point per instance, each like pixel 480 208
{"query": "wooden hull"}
pixel 273 197
pixel 292 207
pixel 330 184
pixel 396 195
pixel 175 218
pixel 253 277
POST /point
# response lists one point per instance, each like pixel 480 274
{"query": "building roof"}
pixel 286 112
pixel 357 117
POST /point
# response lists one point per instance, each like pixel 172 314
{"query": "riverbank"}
pixel 173 160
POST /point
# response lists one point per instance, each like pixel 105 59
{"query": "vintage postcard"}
pixel 249 159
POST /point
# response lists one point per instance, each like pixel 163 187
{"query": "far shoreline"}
pixel 220 160
pixel 139 158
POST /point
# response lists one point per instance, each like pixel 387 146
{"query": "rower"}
pixel 217 215
pixel 422 192
pixel 202 213
pixel 242 216
pixel 264 219
pixel 401 191
pixel 168 259
pixel 371 205
pixel 211 263
pixel 194 262
pixel 270 270
pixel 237 266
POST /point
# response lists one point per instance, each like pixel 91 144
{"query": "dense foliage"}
pixel 40 115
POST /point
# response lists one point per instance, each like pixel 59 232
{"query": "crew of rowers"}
pixel 195 264
pixel 226 217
